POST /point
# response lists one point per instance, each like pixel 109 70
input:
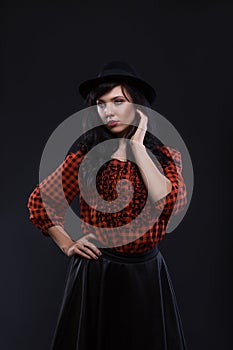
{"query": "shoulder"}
pixel 172 154
pixel 78 152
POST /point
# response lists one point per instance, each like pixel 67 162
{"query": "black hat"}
pixel 118 71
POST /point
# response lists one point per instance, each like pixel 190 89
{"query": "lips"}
pixel 112 123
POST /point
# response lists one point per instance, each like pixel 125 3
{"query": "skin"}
pixel 114 106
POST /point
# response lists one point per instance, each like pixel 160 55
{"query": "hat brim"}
pixel 145 88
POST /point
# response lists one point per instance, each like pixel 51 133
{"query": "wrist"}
pixel 137 144
pixel 66 245
pixel 65 242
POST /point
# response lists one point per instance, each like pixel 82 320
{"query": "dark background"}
pixel 184 49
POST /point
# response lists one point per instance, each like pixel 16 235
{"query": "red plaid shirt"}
pixel 48 202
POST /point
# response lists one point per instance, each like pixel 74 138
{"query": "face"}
pixel 116 112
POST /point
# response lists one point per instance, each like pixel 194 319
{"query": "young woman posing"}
pixel 118 292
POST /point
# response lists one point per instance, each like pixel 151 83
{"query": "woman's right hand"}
pixel 84 248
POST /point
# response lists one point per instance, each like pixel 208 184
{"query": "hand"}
pixel 140 132
pixel 84 248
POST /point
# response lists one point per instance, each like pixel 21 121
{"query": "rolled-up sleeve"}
pixel 49 200
pixel 175 201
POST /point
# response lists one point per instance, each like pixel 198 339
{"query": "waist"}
pixel 130 257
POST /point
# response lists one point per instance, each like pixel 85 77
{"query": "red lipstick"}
pixel 112 123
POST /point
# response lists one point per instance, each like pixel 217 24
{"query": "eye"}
pixel 118 102
pixel 100 104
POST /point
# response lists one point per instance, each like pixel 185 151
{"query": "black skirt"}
pixel 120 301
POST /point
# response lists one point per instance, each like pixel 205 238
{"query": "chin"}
pixel 117 130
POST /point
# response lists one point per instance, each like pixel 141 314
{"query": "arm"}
pixel 156 183
pixel 82 246
pixel 168 190
pixel 175 201
pixel 150 173
pixel 48 202
pixel 61 238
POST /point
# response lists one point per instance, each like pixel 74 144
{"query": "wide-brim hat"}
pixel 118 71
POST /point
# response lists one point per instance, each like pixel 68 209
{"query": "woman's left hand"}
pixel 140 132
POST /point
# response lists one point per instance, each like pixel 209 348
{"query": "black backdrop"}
pixel 184 49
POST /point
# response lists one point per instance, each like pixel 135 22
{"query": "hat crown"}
pixel 118 67
pixel 119 71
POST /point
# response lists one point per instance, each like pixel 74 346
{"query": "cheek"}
pixel 98 111
pixel 130 114
pixel 100 114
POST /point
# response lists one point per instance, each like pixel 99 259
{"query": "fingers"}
pixel 80 252
pixel 85 252
pixel 93 248
pixel 144 119
pixel 141 129
pixel 85 248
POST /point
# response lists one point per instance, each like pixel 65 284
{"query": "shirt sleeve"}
pixel 175 201
pixel 49 200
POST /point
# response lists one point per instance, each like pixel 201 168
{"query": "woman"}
pixel 118 292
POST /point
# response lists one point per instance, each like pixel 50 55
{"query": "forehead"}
pixel 116 91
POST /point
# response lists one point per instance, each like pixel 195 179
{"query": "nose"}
pixel 108 109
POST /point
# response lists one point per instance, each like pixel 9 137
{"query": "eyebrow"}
pixel 111 98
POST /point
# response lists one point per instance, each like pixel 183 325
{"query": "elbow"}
pixel 174 202
pixel 168 188
pixel 181 201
